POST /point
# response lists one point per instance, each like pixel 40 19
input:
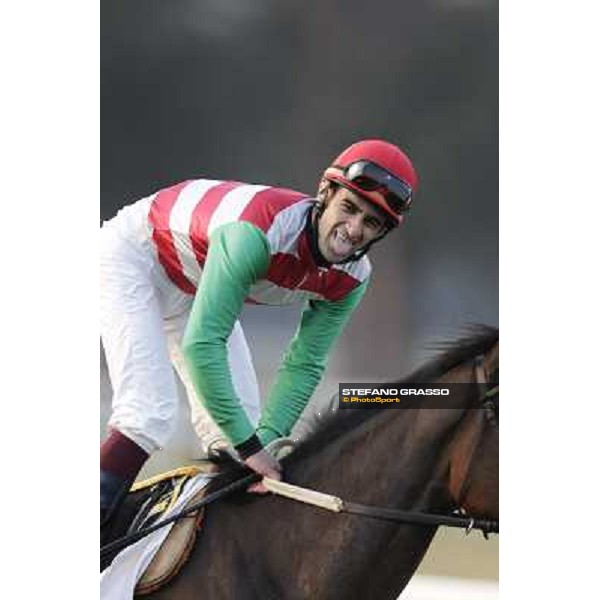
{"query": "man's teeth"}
pixel 342 243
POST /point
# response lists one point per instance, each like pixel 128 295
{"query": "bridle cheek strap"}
pixel 459 478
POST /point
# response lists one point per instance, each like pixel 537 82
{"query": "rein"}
pixel 308 496
pixel 335 504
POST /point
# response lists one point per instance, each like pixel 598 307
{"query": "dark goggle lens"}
pixel 370 177
pixel 364 183
pixel 398 205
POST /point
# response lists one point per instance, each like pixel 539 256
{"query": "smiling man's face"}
pixel 347 224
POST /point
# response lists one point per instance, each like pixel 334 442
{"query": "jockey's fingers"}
pixel 262 462
pixel 258 488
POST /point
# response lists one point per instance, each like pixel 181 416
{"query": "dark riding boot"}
pixel 120 462
pixel 113 489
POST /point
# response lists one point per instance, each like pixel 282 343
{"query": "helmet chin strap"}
pixel 312 228
pixel 313 236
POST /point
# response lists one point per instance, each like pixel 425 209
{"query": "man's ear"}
pixel 325 190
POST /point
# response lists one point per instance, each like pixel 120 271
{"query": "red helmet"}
pixel 379 172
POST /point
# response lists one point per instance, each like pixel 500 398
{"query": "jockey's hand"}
pixel 262 462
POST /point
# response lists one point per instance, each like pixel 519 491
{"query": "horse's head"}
pixel 473 474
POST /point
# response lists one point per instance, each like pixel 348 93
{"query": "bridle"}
pixel 459 519
pixel 486 403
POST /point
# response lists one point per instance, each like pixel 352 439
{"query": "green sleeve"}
pixel 304 363
pixel 238 256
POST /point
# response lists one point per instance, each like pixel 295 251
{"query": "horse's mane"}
pixel 471 341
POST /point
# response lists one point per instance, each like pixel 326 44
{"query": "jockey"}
pixel 176 268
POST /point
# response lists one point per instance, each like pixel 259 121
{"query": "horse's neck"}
pixel 388 459
pixel 395 460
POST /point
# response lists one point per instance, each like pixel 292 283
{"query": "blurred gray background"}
pixel 269 91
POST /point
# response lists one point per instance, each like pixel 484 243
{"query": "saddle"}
pixel 162 493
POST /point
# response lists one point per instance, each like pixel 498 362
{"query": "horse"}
pixel 432 459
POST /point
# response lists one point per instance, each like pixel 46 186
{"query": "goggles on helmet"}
pixel 370 177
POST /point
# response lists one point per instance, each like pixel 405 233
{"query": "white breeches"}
pixel 142 320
